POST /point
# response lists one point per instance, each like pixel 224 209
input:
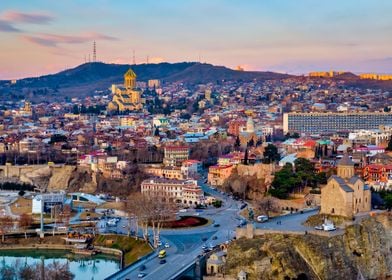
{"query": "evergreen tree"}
pixel 237 143
pixel 251 143
pixel 156 132
pixel 389 147
pixel 271 154
pixel 246 156
pixel 259 142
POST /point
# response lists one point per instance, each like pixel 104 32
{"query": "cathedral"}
pixel 128 97
pixel 345 194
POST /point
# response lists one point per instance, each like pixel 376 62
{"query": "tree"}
pixel 156 132
pixel 25 221
pixel 217 203
pixel 251 143
pixel 6 224
pixel 237 143
pixel 388 201
pixel 389 147
pixel 149 210
pixel 271 154
pixel 268 205
pixel 246 156
pixel 66 213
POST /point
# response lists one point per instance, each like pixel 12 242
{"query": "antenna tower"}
pixel 133 57
pixel 94 52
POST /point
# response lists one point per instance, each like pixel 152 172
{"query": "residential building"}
pixel 218 174
pixel 332 122
pixel 175 155
pixel 186 192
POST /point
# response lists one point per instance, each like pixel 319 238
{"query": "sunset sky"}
pixel 295 36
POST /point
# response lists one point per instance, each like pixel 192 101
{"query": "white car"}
pixel 167 245
pixel 159 243
pixel 141 275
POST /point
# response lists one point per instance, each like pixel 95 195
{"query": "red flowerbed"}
pixel 185 221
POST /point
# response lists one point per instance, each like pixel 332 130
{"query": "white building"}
pixel 46 202
pixel 186 192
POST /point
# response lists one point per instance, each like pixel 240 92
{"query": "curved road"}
pixel 186 244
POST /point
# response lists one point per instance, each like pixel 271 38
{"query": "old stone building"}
pixel 345 194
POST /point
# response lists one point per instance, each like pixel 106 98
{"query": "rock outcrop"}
pixel 364 250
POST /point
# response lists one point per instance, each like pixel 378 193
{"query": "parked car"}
pixel 214 238
pixel 262 218
pixel 216 225
pixel 163 261
pixel 167 245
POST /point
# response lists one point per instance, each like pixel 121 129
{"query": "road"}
pixel 290 222
pixel 186 244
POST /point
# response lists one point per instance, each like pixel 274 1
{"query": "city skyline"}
pixel 284 36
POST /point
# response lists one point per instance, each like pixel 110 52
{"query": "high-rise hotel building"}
pixel 314 123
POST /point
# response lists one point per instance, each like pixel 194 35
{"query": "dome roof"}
pixel 130 73
pixel 345 161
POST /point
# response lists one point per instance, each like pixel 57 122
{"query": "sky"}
pixel 291 36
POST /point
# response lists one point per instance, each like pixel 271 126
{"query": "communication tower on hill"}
pixel 94 52
pixel 133 57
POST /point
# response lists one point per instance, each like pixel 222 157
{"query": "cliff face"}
pixel 364 249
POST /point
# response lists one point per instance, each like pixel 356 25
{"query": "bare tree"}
pixel 6 224
pixel 25 222
pixel 149 210
pixel 66 214
pixel 267 205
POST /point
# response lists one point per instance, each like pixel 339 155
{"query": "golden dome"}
pixel 130 74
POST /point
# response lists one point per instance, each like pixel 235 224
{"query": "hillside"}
pixel 86 78
pixel 363 250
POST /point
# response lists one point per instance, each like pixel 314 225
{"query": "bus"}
pixel 162 254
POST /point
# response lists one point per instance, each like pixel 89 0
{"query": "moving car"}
pixel 163 261
pixel 162 254
pixel 141 275
pixel 167 245
pixel 216 225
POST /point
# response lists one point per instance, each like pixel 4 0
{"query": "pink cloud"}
pixel 52 40
pixel 35 18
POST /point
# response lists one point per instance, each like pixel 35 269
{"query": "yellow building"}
pixel 345 194
pixel 128 97
pixel 374 76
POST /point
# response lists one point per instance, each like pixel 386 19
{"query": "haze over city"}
pixel 43 36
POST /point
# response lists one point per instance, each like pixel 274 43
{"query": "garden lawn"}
pixel 133 249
